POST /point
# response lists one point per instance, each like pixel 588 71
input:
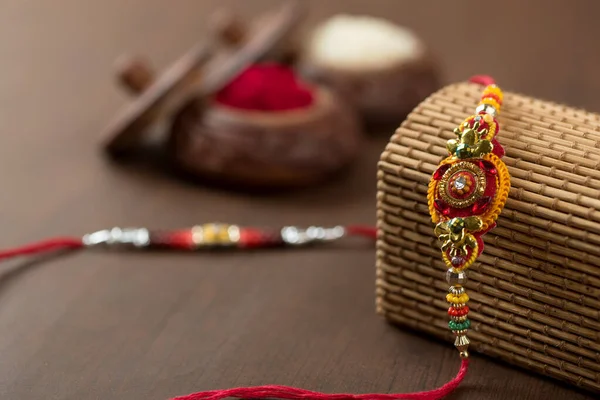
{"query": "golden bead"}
pixel 464 354
pixel 459 319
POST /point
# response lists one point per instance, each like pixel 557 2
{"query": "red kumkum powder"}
pixel 266 87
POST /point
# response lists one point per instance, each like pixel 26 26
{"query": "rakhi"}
pixel 466 194
pixel 209 236
pixel 219 236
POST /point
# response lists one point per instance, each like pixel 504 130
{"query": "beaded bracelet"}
pixel 466 194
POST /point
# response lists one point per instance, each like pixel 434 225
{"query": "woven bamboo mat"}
pixel 535 292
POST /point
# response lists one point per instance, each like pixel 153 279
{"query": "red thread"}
pixel 267 391
pixel 362 230
pixel 252 238
pixel 42 247
pixel 484 80
pixel 290 393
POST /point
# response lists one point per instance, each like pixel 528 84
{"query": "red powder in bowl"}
pixel 266 87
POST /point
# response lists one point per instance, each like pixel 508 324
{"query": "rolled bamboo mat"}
pixel 535 292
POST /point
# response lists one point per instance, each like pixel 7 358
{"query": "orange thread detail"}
pixel 502 189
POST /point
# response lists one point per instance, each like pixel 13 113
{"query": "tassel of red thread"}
pixel 291 393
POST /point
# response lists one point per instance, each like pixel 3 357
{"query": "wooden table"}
pixel 150 326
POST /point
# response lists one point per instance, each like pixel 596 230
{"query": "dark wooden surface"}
pixel 151 326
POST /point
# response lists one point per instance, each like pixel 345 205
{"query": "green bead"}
pixel 459 326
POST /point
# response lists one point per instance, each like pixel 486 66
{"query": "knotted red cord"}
pixel 59 243
pixel 291 393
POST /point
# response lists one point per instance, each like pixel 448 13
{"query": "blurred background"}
pixel 239 319
pixel 542 48
pixel 57 72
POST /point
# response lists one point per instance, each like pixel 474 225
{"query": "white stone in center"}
pixel 460 183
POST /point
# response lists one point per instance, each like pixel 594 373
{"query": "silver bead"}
pixel 486 108
pixel 456 290
pixel 456 277
pixel 136 237
pixel 300 236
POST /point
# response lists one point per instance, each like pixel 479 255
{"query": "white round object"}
pixel 362 42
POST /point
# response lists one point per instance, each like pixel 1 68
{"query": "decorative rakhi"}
pixel 466 194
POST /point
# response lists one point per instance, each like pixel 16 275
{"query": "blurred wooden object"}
pixel 193 78
pixel 288 149
pixel 240 148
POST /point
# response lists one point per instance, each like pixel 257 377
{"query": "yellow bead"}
pixel 488 119
pixel 491 102
pixel 494 90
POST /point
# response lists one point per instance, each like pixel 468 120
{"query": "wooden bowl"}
pixel 266 149
pixel 234 146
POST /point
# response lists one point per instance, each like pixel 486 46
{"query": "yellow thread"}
pixel 493 126
pixel 430 201
pixel 467 264
pixel 502 189
pixel 491 131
